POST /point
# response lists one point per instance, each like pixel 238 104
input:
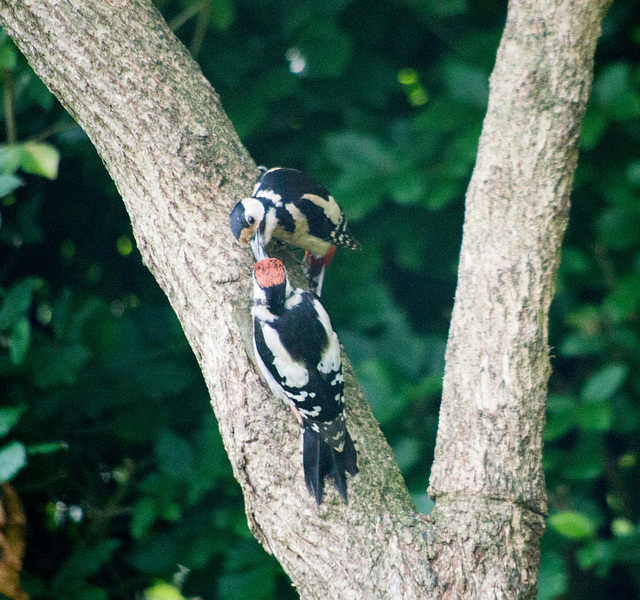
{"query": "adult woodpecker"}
pixel 299 355
pixel 289 205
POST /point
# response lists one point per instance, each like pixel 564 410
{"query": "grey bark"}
pixel 179 166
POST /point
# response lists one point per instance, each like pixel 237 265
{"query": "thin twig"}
pixel 9 112
pixel 53 130
pixel 201 29
pixel 185 16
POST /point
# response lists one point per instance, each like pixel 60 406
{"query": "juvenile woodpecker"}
pixel 289 205
pixel 299 355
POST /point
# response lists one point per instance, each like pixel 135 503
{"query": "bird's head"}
pixel 270 284
pixel 247 222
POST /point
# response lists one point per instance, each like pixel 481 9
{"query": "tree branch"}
pixel 179 166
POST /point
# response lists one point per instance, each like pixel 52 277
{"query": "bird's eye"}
pixel 251 220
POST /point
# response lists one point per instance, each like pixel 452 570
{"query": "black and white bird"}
pixel 289 205
pixel 299 355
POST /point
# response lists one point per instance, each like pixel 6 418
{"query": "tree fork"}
pixel 179 166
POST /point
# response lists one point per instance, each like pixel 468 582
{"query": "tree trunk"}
pixel 180 167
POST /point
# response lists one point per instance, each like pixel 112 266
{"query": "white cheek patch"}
pixel 270 223
pixel 292 373
pixel 253 208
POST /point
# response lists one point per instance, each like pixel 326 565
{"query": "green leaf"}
pixel 431 10
pixel 165 378
pixel 143 516
pixel 561 417
pixel 10 157
pixel 615 90
pixel 466 82
pixel 619 228
pixel 163 591
pixel 407 452
pixel 175 455
pixel 9 416
pixel 84 562
pixel 596 416
pixel 222 14
pixel 633 173
pixel 19 341
pixel 597 554
pixel 155 554
pixel 40 159
pixel 574 260
pixel 8 184
pixel 581 467
pixel 443 193
pixel 573 525
pixel 408 186
pixel 88 592
pixel 352 148
pixel 593 126
pixel 256 583
pixel 385 400
pixel 324 48
pixel 39 93
pixel 613 82
pixel 624 298
pixel 553 580
pixel 13 457
pixel 57 365
pixel 579 344
pixel 622 527
pixel 603 384
pixel 8 56
pixel 18 300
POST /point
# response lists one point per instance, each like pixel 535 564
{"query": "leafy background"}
pixel 107 434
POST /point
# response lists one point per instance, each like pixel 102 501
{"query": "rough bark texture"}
pixel 179 166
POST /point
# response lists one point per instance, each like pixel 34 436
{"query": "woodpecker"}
pixel 289 205
pixel 299 355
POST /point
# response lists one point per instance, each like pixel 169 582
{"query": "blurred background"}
pixel 106 430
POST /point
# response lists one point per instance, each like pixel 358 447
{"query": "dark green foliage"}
pixel 105 427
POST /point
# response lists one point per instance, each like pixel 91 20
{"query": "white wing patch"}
pixel 323 317
pixel 330 359
pixel 269 195
pixel 293 374
pixel 328 205
pixel 275 387
pixel 302 226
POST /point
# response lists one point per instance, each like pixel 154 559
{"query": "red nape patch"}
pixel 268 272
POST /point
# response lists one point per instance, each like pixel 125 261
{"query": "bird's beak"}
pixel 256 245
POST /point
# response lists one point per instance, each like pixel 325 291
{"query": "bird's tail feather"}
pixel 319 461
